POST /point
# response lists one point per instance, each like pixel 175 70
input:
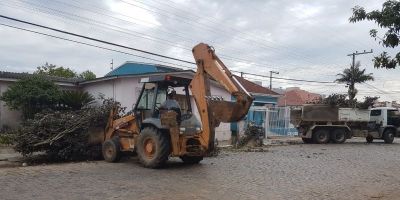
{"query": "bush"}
pixel 31 95
pixel 62 135
pixel 76 100
pixel 341 100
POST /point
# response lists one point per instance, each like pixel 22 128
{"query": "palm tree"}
pixel 351 76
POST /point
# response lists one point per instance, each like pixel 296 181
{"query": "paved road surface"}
pixel 354 170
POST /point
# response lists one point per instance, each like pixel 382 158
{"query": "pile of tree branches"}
pixel 341 100
pixel 63 134
pixel 253 136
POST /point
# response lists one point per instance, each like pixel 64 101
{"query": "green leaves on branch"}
pixel 87 75
pixel 63 135
pixel 36 93
pixel 388 18
pixel 341 100
pixel 31 95
pixel 76 100
pixel 64 72
pixel 53 70
pixel 385 61
pixel 351 76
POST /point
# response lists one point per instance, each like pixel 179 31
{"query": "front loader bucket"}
pixel 225 111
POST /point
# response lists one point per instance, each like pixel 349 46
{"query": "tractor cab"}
pixel 151 103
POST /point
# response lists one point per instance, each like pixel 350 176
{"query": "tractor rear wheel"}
pixel 153 147
pixel 111 150
pixel 388 136
pixel 191 159
pixel 321 136
pixel 338 136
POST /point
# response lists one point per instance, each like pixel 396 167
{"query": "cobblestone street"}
pixel 354 170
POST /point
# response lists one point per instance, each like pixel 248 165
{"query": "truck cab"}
pixel 386 119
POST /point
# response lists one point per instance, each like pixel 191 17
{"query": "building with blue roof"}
pixel 134 68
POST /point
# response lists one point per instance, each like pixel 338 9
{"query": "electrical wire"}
pixel 135 49
pixel 96 46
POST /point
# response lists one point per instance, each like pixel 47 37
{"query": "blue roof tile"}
pixel 132 68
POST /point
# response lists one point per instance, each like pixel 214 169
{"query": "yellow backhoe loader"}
pixel 155 133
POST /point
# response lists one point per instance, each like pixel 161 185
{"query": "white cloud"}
pixel 129 11
pixel 304 11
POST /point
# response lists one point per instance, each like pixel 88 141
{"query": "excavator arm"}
pixel 213 110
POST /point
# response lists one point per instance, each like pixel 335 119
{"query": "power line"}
pixel 96 46
pixel 256 42
pixel 94 39
pixel 135 49
pixel 290 79
pixel 129 32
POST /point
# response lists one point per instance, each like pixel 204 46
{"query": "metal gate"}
pixel 277 122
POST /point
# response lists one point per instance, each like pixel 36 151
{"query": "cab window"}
pixel 161 96
pixel 147 98
pixel 376 112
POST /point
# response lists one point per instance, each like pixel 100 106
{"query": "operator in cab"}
pixel 171 102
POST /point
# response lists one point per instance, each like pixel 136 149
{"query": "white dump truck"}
pixel 323 123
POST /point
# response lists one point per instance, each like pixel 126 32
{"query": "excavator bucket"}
pixel 225 111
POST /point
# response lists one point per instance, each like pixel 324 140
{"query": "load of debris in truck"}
pixel 324 123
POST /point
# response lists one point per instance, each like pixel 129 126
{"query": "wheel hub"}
pixel 109 151
pixel 149 148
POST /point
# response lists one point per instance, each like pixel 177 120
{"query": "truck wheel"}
pixel 153 147
pixel 191 159
pixel 321 136
pixel 388 136
pixel 307 140
pixel 369 139
pixel 111 150
pixel 338 136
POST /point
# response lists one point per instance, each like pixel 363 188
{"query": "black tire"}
pixel 153 147
pixel 369 139
pixel 191 159
pixel 111 150
pixel 307 140
pixel 321 136
pixel 338 136
pixel 388 136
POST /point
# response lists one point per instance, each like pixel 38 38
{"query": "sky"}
pixel 300 39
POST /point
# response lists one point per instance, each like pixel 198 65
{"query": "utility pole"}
pixel 112 64
pixel 270 78
pixel 358 53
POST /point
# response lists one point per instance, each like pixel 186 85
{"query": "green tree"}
pixel 351 76
pixel 31 95
pixel 76 99
pixel 388 18
pixel 87 75
pixel 54 70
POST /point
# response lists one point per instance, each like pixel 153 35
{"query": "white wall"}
pixel 124 90
pixel 10 118
pixel 223 132
pixel 127 90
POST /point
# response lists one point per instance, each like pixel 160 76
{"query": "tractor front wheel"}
pixel 153 147
pixel 111 150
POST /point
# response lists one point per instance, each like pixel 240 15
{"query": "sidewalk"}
pixel 270 141
pixel 282 140
pixel 9 158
